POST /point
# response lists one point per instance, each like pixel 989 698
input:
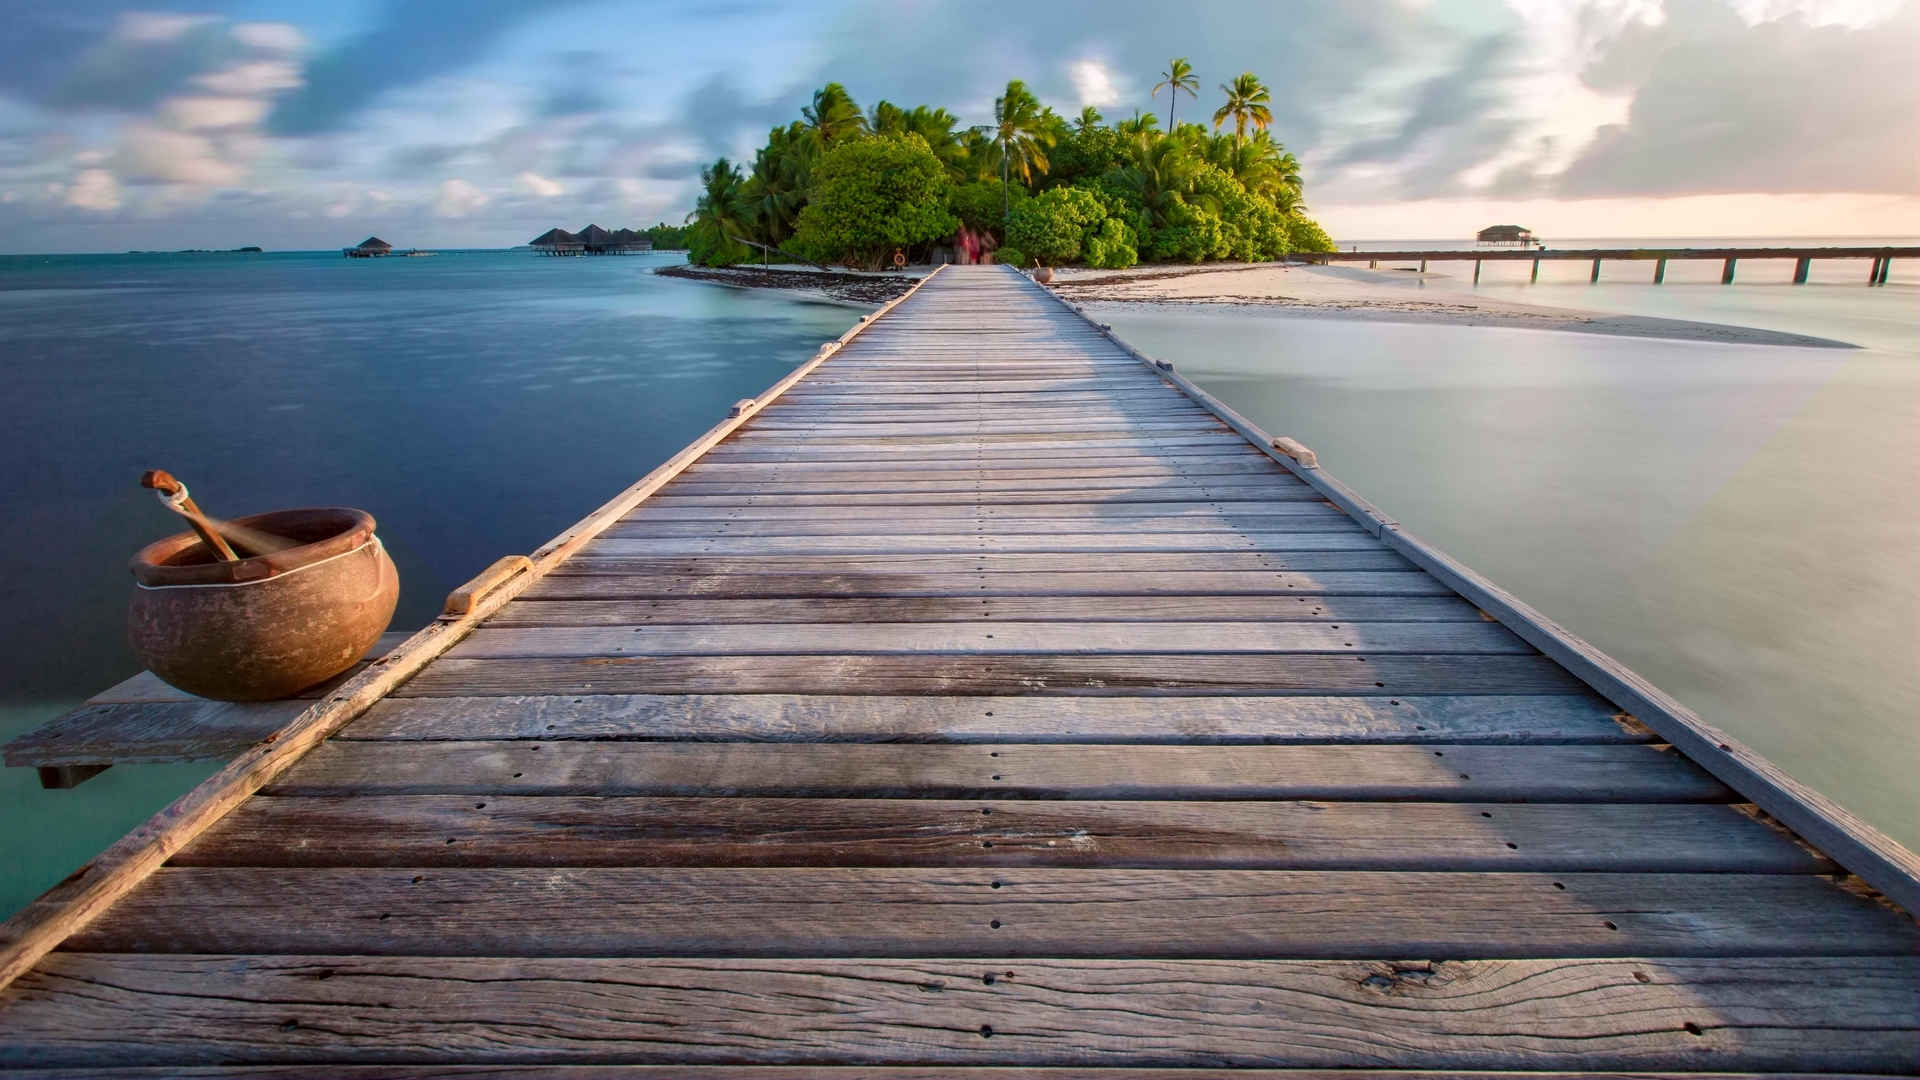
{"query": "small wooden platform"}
pixel 989 704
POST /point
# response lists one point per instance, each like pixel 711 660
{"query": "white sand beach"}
pixel 1350 292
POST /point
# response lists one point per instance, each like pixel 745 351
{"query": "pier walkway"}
pixel 983 700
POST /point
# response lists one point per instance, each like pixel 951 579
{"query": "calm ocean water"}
pixel 475 402
pixel 1739 523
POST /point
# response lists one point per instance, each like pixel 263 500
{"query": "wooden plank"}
pixel 1464 718
pixel 1291 539
pixel 337 1071
pixel 1049 492
pixel 501 831
pixel 992 636
pixel 968 609
pixel 995 673
pixel 1631 1013
pixel 952 912
pixel 989 584
pixel 590 561
pixel 853 1073
pixel 694 509
pixel 1285 517
pixel 1451 773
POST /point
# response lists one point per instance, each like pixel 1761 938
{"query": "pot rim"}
pixel 354 530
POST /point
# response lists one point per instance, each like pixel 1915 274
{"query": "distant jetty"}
pixel 375 248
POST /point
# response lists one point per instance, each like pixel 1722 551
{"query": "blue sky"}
pixel 437 123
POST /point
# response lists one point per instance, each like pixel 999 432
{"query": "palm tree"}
pixel 1088 119
pixel 1140 124
pixel 722 214
pixel 1022 131
pixel 1177 77
pixel 1247 102
pixel 833 114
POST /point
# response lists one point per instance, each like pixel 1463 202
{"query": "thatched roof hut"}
pixel 374 243
pixel 371 247
pixel 1505 234
pixel 555 241
pixel 595 239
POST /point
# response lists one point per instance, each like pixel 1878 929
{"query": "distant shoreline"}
pixel 1351 293
pixel 849 289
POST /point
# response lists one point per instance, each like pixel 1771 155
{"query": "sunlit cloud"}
pixel 94 189
pixel 457 199
pixel 534 184
pixel 1093 83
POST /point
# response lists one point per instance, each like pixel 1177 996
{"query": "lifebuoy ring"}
pixel 899 259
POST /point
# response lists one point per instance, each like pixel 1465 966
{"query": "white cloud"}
pixel 270 36
pixel 209 113
pixel 9 196
pixel 340 209
pixel 94 189
pixel 1853 14
pixel 256 77
pixel 535 184
pixel 175 157
pixel 457 198
pixel 1093 83
pixel 156 28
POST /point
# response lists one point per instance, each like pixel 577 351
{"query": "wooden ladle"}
pixel 174 495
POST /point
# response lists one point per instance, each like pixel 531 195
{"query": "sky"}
pixel 481 123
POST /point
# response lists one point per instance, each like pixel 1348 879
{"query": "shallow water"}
pixel 475 403
pixel 1740 524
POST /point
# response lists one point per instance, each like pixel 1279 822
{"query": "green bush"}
pixel 980 205
pixel 1112 247
pixel 871 196
pixel 1305 234
pixel 1012 256
pixel 1053 225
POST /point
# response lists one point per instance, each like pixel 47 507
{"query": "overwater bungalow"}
pixel 592 240
pixel 556 242
pixel 371 248
pixel 1514 235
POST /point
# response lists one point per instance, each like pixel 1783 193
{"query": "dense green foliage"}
pixel 851 186
pixel 666 237
pixel 871 197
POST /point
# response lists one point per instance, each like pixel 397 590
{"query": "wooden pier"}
pixel 1728 258
pixel 983 700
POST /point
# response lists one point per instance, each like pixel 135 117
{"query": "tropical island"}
pixel 856 187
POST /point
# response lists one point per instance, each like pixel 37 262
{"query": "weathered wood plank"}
pixel 1452 773
pixel 557 830
pixel 1286 517
pixel 956 912
pixel 336 1071
pixel 590 561
pixel 861 609
pixel 991 636
pixel 996 673
pixel 1102 496
pixel 1464 718
pixel 1629 1013
pixel 986 584
pixel 695 509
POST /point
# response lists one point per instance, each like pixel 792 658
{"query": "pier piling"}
pixel 1595 277
pixel 1800 266
pixel 1726 272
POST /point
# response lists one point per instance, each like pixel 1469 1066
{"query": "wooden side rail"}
pixel 461 600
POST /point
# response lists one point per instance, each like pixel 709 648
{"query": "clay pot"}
pixel 1043 274
pixel 269 626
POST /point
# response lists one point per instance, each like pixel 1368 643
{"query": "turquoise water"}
pixel 1740 524
pixel 475 402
